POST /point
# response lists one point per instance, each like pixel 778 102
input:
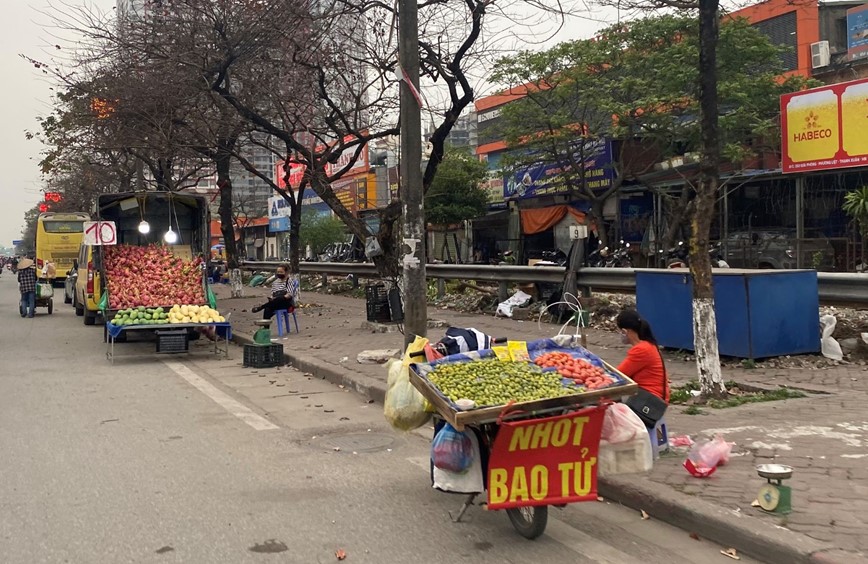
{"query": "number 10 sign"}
pixel 100 233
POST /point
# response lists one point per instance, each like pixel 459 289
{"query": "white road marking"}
pixel 222 399
pixel 567 535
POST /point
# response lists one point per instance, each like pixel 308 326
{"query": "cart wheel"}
pixel 50 305
pixel 530 522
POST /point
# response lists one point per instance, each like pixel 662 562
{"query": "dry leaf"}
pixel 340 554
pixel 694 536
pixel 645 516
pixel 731 553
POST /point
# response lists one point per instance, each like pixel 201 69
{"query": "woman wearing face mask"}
pixel 644 363
pixel 281 295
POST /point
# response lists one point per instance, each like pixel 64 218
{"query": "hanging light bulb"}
pixel 170 237
pixel 144 227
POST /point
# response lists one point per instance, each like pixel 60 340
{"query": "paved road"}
pixel 196 459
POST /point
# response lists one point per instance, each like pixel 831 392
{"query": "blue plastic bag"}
pixel 452 450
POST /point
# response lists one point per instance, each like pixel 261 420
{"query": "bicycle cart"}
pixel 532 454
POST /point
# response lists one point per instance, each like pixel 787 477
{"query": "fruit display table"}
pixel 222 334
pixel 566 394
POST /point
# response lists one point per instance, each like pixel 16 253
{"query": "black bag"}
pixel 647 406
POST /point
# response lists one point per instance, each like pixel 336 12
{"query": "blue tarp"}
pixel 224 329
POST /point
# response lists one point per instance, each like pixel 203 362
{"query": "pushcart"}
pixel 529 514
pixel 44 296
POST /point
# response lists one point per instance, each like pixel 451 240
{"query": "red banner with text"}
pixel 546 461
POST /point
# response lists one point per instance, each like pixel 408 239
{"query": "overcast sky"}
pixel 25 94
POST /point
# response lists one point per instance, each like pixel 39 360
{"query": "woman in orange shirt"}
pixel 644 363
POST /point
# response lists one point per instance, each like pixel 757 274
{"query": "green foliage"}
pixel 692 410
pixel 319 230
pixel 456 193
pixel 640 80
pixel 856 206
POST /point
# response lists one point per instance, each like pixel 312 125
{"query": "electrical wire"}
pixel 575 305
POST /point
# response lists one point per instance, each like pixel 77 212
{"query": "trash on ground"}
pixel 731 553
pixel 681 441
pixel 340 554
pixel 645 515
pixel 518 299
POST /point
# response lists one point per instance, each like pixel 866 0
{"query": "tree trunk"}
pixel 704 320
pixel 597 217
pixel 294 238
pixel 222 162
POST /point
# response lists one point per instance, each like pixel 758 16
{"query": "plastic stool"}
pixel 282 316
pixel 659 437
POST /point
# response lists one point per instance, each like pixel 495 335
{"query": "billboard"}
pixel 824 128
pixel 857 32
pixel 547 180
pixel 278 214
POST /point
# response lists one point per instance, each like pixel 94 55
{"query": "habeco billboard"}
pixel 825 128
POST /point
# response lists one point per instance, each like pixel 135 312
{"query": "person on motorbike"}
pixel 644 363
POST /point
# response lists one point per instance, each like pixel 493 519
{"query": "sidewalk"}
pixel 824 437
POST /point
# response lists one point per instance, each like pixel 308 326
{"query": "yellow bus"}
pixel 58 238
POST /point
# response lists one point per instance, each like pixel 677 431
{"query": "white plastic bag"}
pixel 469 481
pixel 404 407
pixel 828 345
pixel 629 457
pixel 518 299
pixel 621 424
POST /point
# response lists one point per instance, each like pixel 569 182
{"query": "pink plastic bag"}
pixel 620 424
pixel 711 453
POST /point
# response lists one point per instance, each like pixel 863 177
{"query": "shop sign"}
pixel 857 32
pixel 548 179
pixel 346 156
pixel 824 128
pixel 296 173
pixel 278 214
pixel 311 201
pixel 546 461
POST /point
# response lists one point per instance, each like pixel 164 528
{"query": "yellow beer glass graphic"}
pixel 812 126
pixel 854 114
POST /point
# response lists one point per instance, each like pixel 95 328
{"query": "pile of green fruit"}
pixel 495 382
pixel 141 316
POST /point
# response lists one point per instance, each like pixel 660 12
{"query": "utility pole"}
pixel 413 230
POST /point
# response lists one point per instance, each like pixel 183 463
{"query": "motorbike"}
pixel 603 257
pixel 678 256
pixel 621 258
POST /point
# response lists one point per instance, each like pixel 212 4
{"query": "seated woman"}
pixel 644 363
pixel 282 295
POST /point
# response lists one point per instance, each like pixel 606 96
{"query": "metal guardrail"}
pixel 834 287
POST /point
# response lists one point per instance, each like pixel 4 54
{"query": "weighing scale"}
pixel 774 497
pixel 263 334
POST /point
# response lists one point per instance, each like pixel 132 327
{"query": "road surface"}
pixel 192 458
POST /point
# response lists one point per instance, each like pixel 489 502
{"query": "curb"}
pixel 723 526
pixel 686 512
pixel 359 383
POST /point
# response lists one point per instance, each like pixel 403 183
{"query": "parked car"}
pixel 69 283
pixel 777 248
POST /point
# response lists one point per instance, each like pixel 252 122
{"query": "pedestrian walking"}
pixel 283 294
pixel 27 287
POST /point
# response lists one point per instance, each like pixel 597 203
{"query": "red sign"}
pixel 824 128
pixel 296 173
pixel 546 461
